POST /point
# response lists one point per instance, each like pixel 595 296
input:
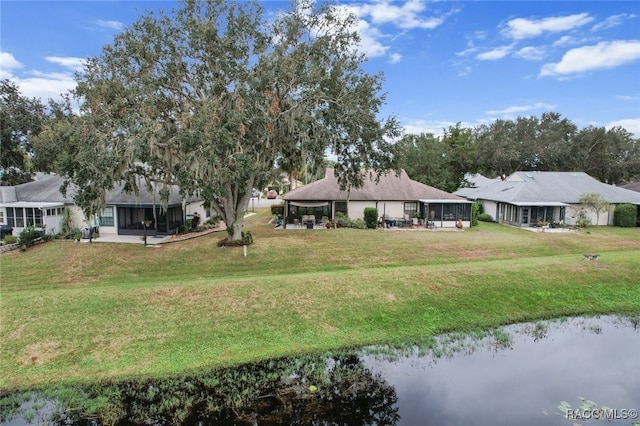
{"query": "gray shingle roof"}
pixel 632 186
pixel 389 188
pixel 547 187
pixel 46 188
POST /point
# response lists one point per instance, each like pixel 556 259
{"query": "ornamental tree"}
pixel 212 95
pixel 596 203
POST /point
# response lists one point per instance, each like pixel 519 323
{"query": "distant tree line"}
pixel 548 143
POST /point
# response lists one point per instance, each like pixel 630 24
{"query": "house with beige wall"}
pixel 397 198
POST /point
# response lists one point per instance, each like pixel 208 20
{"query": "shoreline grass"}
pixel 78 313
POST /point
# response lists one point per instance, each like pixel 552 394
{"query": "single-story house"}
pixel 528 198
pixel 41 204
pixel 397 198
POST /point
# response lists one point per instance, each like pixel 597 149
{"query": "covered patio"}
pixel 308 214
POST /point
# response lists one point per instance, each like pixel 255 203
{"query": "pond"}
pixel 562 372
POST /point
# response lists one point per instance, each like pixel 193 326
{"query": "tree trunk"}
pixel 232 209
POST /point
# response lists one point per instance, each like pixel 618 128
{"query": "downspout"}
pixel 184 210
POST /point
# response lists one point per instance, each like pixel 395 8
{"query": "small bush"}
pixel 583 220
pixel 29 236
pixel 246 240
pixel 358 224
pixel 212 222
pixel 342 220
pixel 476 210
pixel 73 234
pixel 10 239
pixel 485 217
pixel 277 209
pixel 625 215
pixel 371 217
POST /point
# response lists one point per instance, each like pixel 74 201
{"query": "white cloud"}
pixel 604 55
pixel 521 28
pixel 565 40
pixel 8 63
pixel 465 71
pixel 369 40
pixel 633 98
pixel 512 111
pixel 38 84
pixel 394 58
pixel 468 51
pixel 495 54
pixel 612 21
pixel 46 86
pixel 72 63
pixel 531 53
pixel 112 25
pixel 406 16
pixel 436 128
pixel 632 125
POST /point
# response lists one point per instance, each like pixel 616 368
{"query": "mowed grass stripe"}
pixel 87 333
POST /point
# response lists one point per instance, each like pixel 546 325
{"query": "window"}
pixel 19 217
pixel 11 216
pixel 410 209
pixel 449 212
pixel 341 206
pixel 106 217
pixel 2 216
pixel 37 217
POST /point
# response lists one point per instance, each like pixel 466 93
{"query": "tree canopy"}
pixel 210 96
pixel 20 119
pixel 548 143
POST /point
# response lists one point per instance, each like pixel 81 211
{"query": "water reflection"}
pixel 518 375
pixel 546 363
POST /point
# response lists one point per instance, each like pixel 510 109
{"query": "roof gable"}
pixel 46 188
pixel 545 187
pixel 391 187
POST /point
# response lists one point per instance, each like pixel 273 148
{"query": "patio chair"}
pixel 431 224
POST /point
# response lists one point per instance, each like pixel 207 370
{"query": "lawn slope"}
pixel 85 312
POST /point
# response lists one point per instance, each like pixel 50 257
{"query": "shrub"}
pixel 246 240
pixel 485 217
pixel 212 222
pixel 476 210
pixel 277 209
pixel 29 236
pixel 10 239
pixel 67 221
pixel 73 234
pixel 371 217
pixel 342 220
pixel 358 224
pixel 583 220
pixel 625 215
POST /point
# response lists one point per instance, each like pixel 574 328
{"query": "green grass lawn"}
pixel 72 313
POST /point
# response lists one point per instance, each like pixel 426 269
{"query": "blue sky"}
pixel 444 62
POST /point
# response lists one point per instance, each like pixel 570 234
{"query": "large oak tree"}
pixel 211 95
pixel 21 119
